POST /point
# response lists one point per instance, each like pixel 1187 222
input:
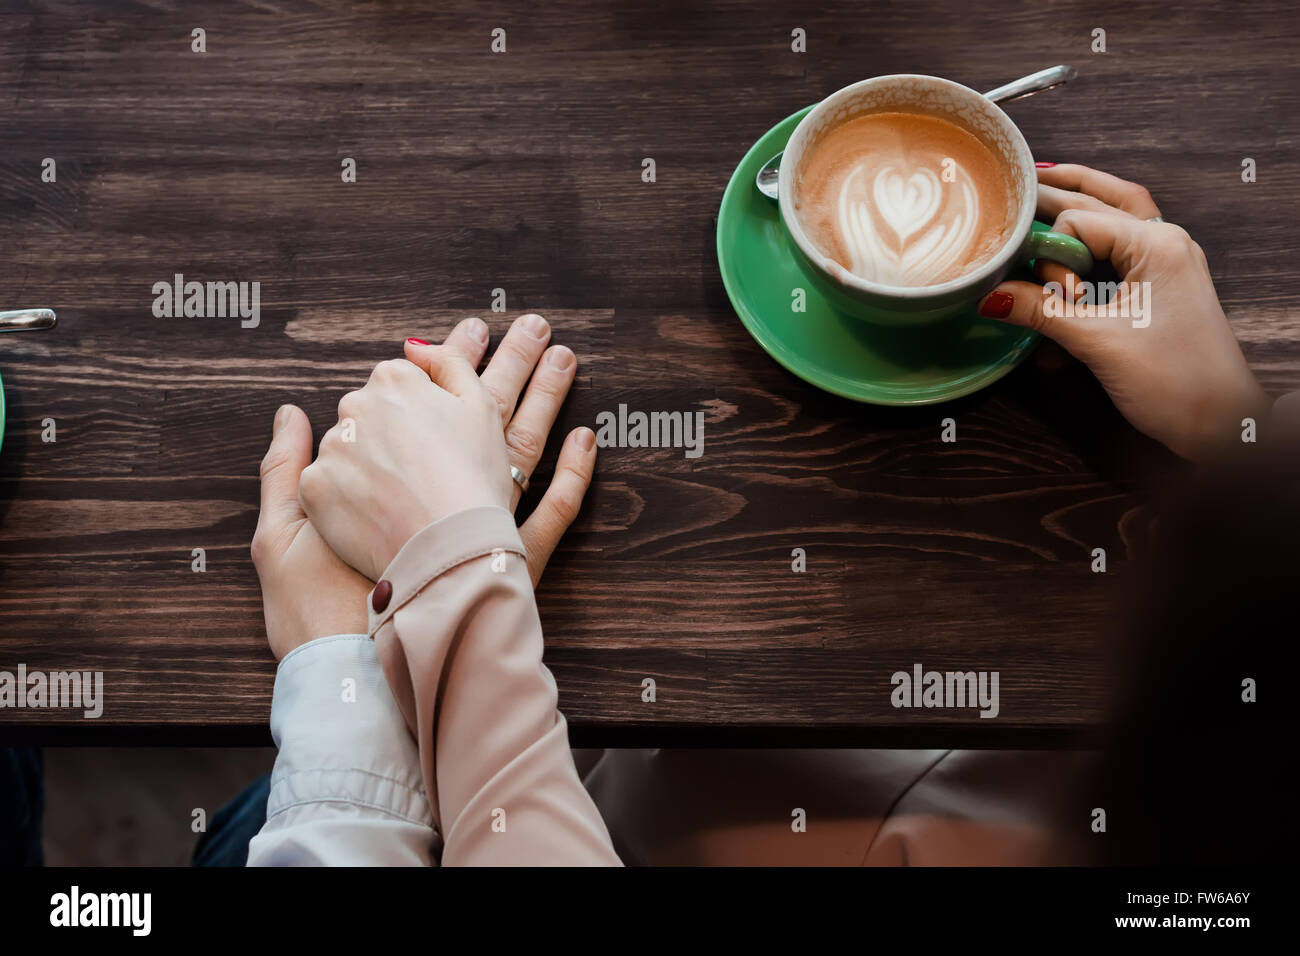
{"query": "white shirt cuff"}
pixel 347 788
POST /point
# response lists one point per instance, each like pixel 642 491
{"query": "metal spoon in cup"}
pixel 770 174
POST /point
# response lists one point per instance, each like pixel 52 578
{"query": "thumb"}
pixel 469 339
pixel 289 454
pixel 1040 308
pixel 453 372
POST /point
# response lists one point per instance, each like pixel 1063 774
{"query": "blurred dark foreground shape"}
pixel 1195 773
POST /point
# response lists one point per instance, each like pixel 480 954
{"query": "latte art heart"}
pixel 906 204
pixel 905 231
pixel 904 199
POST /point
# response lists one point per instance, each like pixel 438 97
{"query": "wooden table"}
pixel 522 171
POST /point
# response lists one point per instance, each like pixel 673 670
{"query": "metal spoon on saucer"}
pixel 27 320
pixel 770 174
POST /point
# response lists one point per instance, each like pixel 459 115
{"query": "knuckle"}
pixel 524 441
pixel 390 371
pixel 1139 193
pixel 348 403
pixel 517 350
pixel 569 490
pixel 271 461
pixel 309 485
pixel 492 399
pixel 408 371
pixel 258 548
pixel 567 503
pixel 1067 217
pixel 1040 322
pixel 1173 241
pixel 1080 202
pixel 554 384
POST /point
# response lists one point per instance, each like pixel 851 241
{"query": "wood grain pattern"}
pixel 522 171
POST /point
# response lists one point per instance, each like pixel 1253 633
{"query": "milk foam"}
pixel 904 199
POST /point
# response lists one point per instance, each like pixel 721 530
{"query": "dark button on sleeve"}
pixel 381 595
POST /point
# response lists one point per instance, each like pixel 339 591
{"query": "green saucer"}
pixel 836 352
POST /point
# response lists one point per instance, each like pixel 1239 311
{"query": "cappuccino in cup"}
pixel 907 198
pixel 904 198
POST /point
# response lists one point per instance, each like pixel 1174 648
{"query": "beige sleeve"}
pixel 461 645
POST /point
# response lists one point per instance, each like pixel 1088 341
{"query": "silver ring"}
pixel 519 478
pixel 1155 219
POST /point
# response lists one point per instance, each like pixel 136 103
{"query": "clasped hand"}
pixel 425 437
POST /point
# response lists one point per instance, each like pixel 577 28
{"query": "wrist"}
pixel 1217 431
pixel 417 519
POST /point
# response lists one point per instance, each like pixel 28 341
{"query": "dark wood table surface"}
pixel 522 171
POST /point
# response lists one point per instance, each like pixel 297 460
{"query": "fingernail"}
pixel 535 324
pixel 586 439
pixel 477 330
pixel 997 305
pixel 281 417
pixel 1044 165
pixel 560 357
pixel 417 341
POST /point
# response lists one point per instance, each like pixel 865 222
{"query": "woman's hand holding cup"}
pixel 1178 374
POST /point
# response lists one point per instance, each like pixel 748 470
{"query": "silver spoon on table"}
pixel 27 320
pixel 770 174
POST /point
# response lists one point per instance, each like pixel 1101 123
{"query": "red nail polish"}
pixel 997 305
pixel 417 341
pixel 1044 165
